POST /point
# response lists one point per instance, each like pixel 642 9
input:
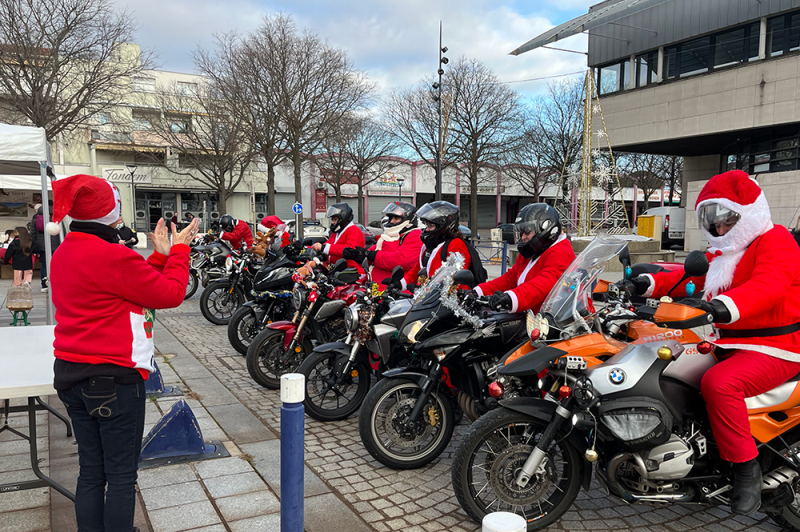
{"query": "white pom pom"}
pixel 53 228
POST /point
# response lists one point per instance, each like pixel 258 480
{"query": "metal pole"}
pixel 439 146
pixel 298 226
pixel 133 204
pixel 48 246
pixel 504 264
pixel 293 388
pixel 400 192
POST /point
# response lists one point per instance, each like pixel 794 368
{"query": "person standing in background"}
pixel 126 235
pixel 20 254
pixel 38 235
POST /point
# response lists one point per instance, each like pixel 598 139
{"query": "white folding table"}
pixel 26 370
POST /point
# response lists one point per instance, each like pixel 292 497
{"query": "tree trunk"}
pixel 360 202
pixel 298 183
pixel 270 188
pixel 338 189
pixel 473 202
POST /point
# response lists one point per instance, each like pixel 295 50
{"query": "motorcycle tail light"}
pixel 312 296
pixel 496 390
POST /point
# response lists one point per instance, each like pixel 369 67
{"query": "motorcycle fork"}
pixel 536 458
pixel 234 282
pixel 298 335
pixel 428 387
pixel 350 360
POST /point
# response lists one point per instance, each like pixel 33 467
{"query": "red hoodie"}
pixel 104 295
pixel 394 254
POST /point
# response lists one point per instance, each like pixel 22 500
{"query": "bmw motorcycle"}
pixel 408 417
pixel 338 374
pixel 319 301
pixel 206 262
pixel 638 415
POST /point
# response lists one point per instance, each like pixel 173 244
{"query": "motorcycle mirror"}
pixel 464 277
pixel 696 264
pixel 397 273
pixel 625 259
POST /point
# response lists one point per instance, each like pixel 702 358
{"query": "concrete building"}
pixel 714 81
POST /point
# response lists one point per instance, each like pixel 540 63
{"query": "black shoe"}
pixel 746 487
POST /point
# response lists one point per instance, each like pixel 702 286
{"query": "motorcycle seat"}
pixel 203 249
pixel 782 397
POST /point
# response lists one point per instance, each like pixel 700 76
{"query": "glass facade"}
pixel 775 150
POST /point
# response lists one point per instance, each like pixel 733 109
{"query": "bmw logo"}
pixel 616 376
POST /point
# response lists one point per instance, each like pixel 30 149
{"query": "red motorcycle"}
pixel 319 300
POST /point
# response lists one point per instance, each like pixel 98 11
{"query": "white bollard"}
pixel 504 522
pixel 293 387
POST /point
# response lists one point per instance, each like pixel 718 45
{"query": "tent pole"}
pixel 48 248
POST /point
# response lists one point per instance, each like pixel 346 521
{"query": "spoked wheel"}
pixel 265 358
pixel 191 285
pixel 330 396
pixel 218 303
pixel 486 464
pixel 387 434
pixel 242 329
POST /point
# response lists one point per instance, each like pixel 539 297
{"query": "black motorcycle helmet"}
pixel 541 220
pixel 444 216
pixel 405 210
pixel 227 223
pixel 343 212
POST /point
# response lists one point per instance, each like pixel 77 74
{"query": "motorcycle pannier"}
pixel 637 422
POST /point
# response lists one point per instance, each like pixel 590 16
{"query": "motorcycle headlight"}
pixel 298 297
pixel 351 318
pixel 410 331
pixel 228 263
pixel 537 322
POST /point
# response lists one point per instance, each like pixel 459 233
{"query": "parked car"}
pixel 673 224
pixel 369 237
pixel 467 232
pixel 508 232
pixel 311 229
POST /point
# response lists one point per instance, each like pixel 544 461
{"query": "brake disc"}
pixel 397 428
pixel 503 477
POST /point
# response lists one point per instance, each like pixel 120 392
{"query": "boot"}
pixel 746 487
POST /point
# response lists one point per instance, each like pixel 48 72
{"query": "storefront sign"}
pixel 122 175
pixel 320 199
pixel 466 189
pixel 388 180
pixel 18 203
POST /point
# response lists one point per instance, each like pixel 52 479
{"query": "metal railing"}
pixel 492 252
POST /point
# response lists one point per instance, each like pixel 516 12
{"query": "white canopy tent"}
pixel 24 157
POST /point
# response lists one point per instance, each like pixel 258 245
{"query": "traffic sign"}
pixel 297 208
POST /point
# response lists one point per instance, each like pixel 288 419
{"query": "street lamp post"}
pixel 132 170
pixel 438 86
pixel 400 181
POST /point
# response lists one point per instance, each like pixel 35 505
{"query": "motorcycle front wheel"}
pixel 191 285
pixel 328 396
pixel 486 463
pixel 218 303
pixel 242 329
pixel 265 358
pixel 390 439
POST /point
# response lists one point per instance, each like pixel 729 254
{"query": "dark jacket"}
pixel 127 234
pixel 18 258
pixel 38 237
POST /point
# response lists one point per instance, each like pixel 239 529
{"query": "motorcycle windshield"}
pixel 569 303
pixel 443 278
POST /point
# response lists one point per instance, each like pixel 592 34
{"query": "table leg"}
pixel 35 454
pixel 7 410
pixel 57 414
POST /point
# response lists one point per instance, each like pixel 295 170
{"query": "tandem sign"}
pixel 121 175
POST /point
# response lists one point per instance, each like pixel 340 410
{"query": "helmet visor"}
pixel 530 228
pixel 394 209
pixel 334 211
pixel 716 219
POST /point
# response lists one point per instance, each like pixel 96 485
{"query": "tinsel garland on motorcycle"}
pixel 449 297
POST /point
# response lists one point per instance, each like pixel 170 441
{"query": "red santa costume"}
pixel 530 280
pixel 268 222
pixel 241 233
pixel 754 272
pixel 429 263
pixel 349 237
pixel 395 250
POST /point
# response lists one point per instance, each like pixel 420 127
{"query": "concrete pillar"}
pixel 762 39
pixel 660 66
pixel 93 159
pixel 632 77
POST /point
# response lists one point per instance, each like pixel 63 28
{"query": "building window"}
pixel 693 57
pixel 646 69
pixel 143 84
pixel 143 120
pixel 187 89
pixel 772 151
pixel 729 47
pixel 102 118
pixel 783 34
pixel 178 124
pixel 613 78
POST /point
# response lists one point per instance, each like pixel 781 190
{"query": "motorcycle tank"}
pixel 624 370
pixel 397 313
pixel 273 278
pixel 381 343
pixel 328 309
pixel 511 326
pixel 690 367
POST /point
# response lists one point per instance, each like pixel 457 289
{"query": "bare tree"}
pixel 485 121
pixel 673 174
pixel 334 164
pixel 645 171
pixel 527 162
pixel 209 139
pixel 63 61
pixel 243 70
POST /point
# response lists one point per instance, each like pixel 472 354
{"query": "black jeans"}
pixel 108 419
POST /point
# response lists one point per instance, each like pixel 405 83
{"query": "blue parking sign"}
pixel 297 208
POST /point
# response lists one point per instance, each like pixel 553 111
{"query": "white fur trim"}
pixel 731 306
pixel 514 300
pixel 336 235
pixel 430 259
pixel 766 349
pixel 326 250
pixel 403 284
pixel 652 287
pixel 479 291
pixel 521 278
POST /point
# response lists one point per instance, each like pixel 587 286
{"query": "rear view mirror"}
pixel 464 277
pixel 696 264
pixel 397 273
pixel 625 259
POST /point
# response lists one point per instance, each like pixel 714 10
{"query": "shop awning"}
pixel 23 150
pixel 591 20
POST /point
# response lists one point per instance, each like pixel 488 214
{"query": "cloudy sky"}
pixel 394 41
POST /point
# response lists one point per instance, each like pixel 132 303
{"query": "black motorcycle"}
pixel 338 374
pixel 223 297
pixel 272 295
pixel 206 262
pixel 407 418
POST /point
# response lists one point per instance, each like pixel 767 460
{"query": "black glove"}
pixel 636 286
pixel 500 301
pixel 412 287
pixel 356 254
pixel 371 255
pixel 467 296
pixel 391 285
pixel 715 307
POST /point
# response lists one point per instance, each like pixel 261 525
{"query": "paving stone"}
pixel 173 495
pixel 222 466
pixel 257 524
pixel 30 520
pixel 247 505
pixel 267 461
pixel 166 475
pixel 21 500
pixel 240 424
pixel 234 484
pixel 325 513
pixel 184 517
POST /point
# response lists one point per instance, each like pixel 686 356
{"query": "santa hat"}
pixel 84 198
pixel 735 186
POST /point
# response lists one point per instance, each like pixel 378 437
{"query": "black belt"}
pixel 749 333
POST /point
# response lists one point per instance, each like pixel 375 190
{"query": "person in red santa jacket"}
pixel 441 236
pixel 344 234
pixel 104 339
pixel 268 222
pixel 752 289
pixel 544 254
pixel 236 232
pixel 399 245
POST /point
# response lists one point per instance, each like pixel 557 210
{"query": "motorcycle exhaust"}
pixel 773 479
pixel 468 405
pixel 616 488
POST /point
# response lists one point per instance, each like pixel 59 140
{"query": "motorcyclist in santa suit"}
pixel 752 289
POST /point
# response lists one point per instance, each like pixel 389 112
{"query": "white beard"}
pixel 754 221
pixel 390 234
